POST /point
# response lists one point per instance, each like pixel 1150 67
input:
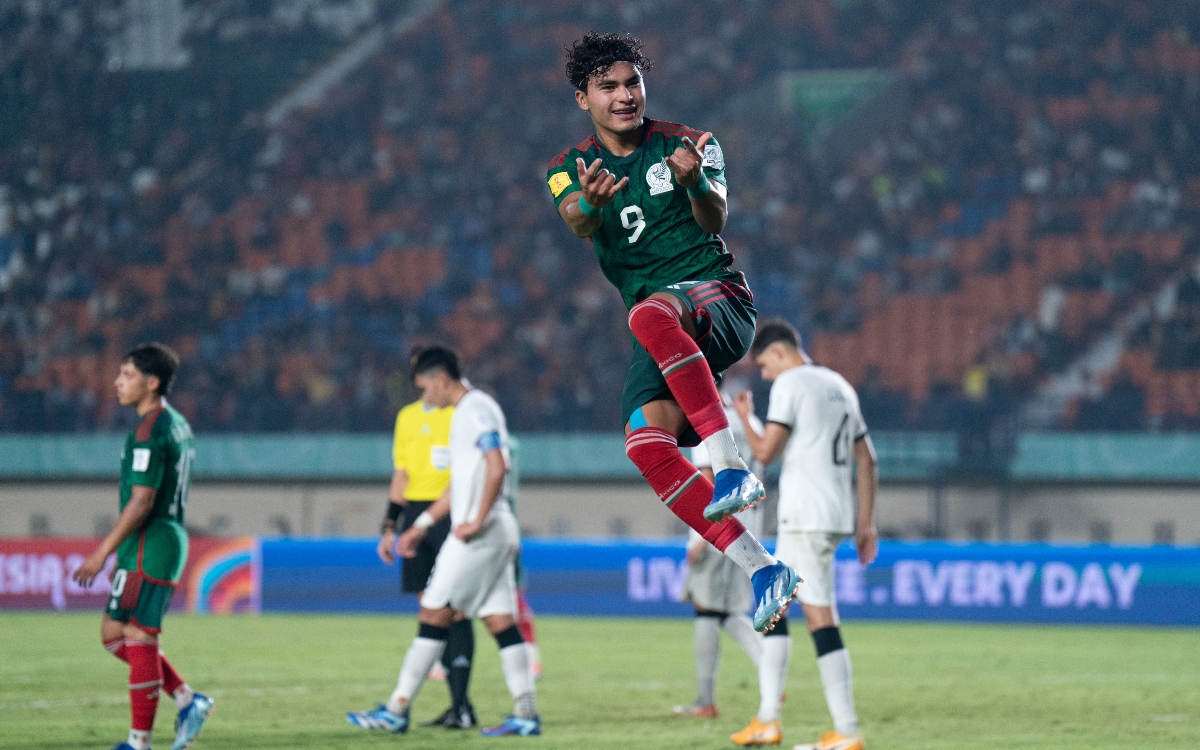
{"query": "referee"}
pixel 421 457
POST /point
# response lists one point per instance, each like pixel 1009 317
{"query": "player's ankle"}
pixel 183 696
pixel 398 706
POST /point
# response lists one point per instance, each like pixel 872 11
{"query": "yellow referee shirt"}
pixel 421 447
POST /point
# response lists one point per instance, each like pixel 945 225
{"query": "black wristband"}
pixel 394 511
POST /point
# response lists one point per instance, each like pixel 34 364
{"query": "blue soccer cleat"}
pixel 774 587
pixel 123 746
pixel 734 490
pixel 190 721
pixel 515 726
pixel 379 718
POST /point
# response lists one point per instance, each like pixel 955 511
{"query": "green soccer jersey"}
pixel 158 454
pixel 648 237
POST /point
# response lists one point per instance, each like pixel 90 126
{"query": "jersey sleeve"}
pixel 488 435
pixel 714 161
pixel 784 404
pixel 562 176
pixel 860 424
pixel 700 457
pixel 149 463
pixel 398 437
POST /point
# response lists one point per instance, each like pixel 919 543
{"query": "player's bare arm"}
pixel 493 482
pixel 865 537
pixel 709 206
pixel 599 188
pixel 141 501
pixel 767 445
pixel 411 539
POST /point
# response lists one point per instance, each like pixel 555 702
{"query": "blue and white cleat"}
pixel 515 726
pixel 379 718
pixel 190 721
pixel 123 746
pixel 734 490
pixel 774 588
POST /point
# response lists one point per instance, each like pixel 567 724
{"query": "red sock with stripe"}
pixel 173 683
pixel 116 647
pixel 145 682
pixel 679 484
pixel 655 324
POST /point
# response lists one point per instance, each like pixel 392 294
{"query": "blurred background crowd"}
pixel 1004 229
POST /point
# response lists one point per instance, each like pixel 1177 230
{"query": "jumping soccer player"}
pixel 719 592
pixel 814 423
pixel 651 196
pixel 473 575
pixel 421 475
pixel 151 545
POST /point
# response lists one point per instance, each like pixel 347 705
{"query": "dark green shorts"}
pixel 724 315
pixel 138 601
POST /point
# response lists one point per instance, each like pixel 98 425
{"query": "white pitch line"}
pixel 254 692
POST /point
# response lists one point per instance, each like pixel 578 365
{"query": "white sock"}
pixel 839 690
pixel 514 660
pixel 772 675
pixel 139 740
pixel 723 451
pixel 420 657
pixel 535 659
pixel 742 631
pixel 749 554
pixel 707 646
pixel 183 696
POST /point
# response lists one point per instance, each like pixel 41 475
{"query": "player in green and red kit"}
pixel 651 196
pixel 151 546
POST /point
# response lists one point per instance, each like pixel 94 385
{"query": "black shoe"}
pixel 448 717
pixel 464 719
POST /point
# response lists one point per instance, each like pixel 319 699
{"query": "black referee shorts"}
pixel 415 571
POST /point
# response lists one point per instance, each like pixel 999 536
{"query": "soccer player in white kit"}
pixel 815 424
pixel 474 574
pixel 718 589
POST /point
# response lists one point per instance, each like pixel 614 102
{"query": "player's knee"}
pixel 649 447
pixel 438 618
pixel 510 636
pixel 827 640
pixel 652 315
pixel 134 633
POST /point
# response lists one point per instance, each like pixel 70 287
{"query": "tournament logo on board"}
pixel 226 578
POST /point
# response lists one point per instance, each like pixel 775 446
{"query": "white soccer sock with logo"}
pixel 839 690
pixel 749 554
pixel 772 675
pixel 707 645
pixel 514 660
pixel 742 631
pixel 138 739
pixel 420 657
pixel 723 452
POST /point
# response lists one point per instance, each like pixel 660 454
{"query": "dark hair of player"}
pixel 777 331
pixel 434 358
pixel 155 359
pixel 594 54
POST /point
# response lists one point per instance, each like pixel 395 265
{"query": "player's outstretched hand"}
pixel 409 541
pixel 599 185
pixel 687 162
pixel 743 404
pixel 387 547
pixel 89 569
pixel 867 541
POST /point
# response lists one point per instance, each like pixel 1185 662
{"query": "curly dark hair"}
pixel 594 54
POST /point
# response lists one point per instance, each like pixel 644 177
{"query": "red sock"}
pixel 525 618
pixel 116 647
pixel 145 683
pixel 679 484
pixel 655 324
pixel 171 679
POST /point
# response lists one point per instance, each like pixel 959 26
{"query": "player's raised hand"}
pixel 743 404
pixel 688 160
pixel 599 185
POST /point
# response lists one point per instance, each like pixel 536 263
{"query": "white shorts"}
pixel 717 584
pixel 477 577
pixel 811 554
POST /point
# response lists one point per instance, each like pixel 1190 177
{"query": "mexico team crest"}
pixel 658 177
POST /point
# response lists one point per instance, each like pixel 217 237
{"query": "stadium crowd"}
pixel 294 264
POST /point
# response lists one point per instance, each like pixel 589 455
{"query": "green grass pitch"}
pixel 286 681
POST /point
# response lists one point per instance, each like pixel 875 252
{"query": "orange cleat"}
pixel 695 711
pixel 759 734
pixel 833 741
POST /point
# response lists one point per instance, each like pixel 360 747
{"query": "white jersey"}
pixel 478 426
pixel 752 518
pixel 821 410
